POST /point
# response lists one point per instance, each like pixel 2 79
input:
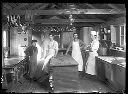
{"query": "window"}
pixel 122 35
pixel 4 38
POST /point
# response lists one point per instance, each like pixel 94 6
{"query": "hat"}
pixel 93 33
pixel 34 41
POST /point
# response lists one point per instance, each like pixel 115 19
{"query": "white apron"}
pixel 76 54
pixel 90 69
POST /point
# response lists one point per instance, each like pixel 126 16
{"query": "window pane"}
pixel 122 40
pixel 4 38
pixel 122 30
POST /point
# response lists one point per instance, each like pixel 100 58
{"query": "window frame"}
pixel 124 35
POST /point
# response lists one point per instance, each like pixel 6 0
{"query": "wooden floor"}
pixel 86 84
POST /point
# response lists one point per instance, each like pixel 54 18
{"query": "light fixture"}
pixel 14 20
pixel 71 19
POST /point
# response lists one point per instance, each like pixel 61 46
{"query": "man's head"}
pixel 94 37
pixel 51 36
pixel 75 35
pixel 34 42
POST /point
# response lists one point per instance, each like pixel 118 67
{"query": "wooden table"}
pixel 64 74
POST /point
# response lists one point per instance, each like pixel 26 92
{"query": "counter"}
pixel 117 53
pixel 112 70
pixel 12 61
pixel 64 60
pixel 64 74
pixel 121 61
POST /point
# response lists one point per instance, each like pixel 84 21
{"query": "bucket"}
pixel 102 51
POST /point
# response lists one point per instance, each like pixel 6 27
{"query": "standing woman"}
pixel 77 51
pixel 90 69
pixel 31 52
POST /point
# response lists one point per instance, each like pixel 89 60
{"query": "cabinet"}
pixel 108 71
pixel 64 74
pixel 100 69
pixel 119 76
pixel 112 74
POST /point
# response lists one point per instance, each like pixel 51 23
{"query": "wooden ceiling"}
pixel 47 13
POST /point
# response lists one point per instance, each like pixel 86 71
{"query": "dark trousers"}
pixel 85 58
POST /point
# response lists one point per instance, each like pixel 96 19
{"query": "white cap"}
pixel 93 33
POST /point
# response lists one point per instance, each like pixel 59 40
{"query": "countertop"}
pixel 64 60
pixel 121 61
pixel 12 60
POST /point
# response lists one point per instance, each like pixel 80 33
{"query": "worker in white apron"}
pixel 51 52
pixel 90 67
pixel 77 45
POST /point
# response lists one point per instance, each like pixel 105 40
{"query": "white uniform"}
pixel 91 59
pixel 44 47
pixel 52 46
pixel 76 54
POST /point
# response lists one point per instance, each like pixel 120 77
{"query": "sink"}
pixel 113 60
pixel 119 61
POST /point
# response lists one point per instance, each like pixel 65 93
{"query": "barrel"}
pixel 102 51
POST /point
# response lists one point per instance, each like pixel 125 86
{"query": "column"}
pixel 113 34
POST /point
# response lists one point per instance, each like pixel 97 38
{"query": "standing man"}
pixel 91 59
pixel 31 52
pixel 78 48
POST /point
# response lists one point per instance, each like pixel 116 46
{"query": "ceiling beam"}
pixel 5 5
pixel 67 11
pixel 113 6
pixel 90 6
pixel 65 21
pixel 20 6
pixel 35 5
pixel 43 6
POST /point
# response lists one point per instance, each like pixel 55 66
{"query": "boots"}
pixel 81 74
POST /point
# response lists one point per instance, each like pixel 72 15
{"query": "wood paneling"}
pixel 117 21
pixel 18 40
pixel 67 11
pixel 65 21
pixel 13 42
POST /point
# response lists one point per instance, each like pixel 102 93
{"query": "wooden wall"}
pixel 114 26
pixel 84 34
pixel 117 21
pixel 18 40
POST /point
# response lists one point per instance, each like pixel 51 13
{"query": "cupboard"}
pixel 112 74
